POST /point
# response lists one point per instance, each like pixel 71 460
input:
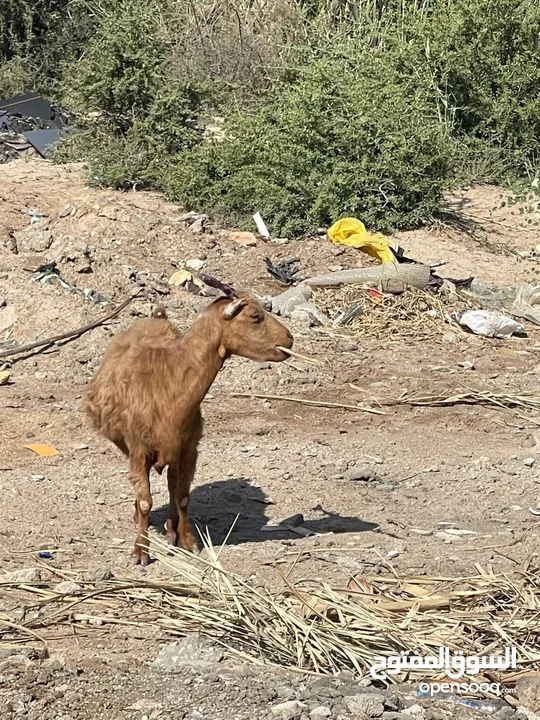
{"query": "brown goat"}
pixel 146 396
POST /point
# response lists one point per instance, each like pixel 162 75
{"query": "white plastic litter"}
pixel 527 303
pixel 490 323
pixel 261 227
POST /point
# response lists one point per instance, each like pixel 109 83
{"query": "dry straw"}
pixel 308 626
pixel 414 313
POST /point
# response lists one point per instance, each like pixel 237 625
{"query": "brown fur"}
pixel 146 396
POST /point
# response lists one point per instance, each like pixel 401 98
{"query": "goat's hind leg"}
pixel 139 474
pixel 174 517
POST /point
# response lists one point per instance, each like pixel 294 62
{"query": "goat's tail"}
pixel 159 312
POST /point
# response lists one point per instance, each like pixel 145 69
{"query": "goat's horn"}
pixel 233 308
pixel 213 282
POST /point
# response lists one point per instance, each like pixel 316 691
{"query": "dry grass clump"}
pixel 414 313
pixel 308 626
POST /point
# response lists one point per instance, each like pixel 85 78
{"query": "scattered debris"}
pixel 30 125
pixel 310 314
pixel 490 323
pixel 4 377
pixel 285 303
pixel 261 227
pixel 42 450
pixel 49 273
pixel 353 233
pixel 284 271
pixel 414 275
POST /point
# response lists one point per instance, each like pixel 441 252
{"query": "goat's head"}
pixel 248 330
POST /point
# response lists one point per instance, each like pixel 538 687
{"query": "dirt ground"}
pixel 261 460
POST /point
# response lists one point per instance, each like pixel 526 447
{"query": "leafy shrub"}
pixel 15 77
pixel 482 57
pixel 338 136
pixel 136 112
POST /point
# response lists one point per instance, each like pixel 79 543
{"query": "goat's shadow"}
pixel 215 505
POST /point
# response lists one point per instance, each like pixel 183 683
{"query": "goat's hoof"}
pixel 190 544
pixel 140 558
pixel 172 537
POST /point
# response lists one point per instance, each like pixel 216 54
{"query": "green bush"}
pixel 338 136
pixel 136 111
pixel 42 36
pixel 15 77
pixel 482 57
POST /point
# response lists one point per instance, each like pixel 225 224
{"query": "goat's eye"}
pixel 257 318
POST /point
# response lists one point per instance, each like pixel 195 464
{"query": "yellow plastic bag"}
pixel 351 232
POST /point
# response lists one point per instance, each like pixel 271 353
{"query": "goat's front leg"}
pixel 139 474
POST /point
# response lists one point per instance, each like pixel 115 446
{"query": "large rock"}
pixel 287 710
pixel 528 692
pixel 33 239
pixel 366 705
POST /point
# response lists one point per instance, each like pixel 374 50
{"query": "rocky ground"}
pixel 376 489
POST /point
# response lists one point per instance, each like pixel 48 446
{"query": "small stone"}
pixel 445 536
pixel 67 210
pixel 466 365
pixel 529 462
pixel 393 715
pixel 320 712
pixel 359 473
pixel 415 711
pixel 246 239
pixel 97 574
pixel 30 575
pixel 287 710
pixel 80 446
pixel 28 651
pixel 100 500
pixel 145 705
pixel 391 554
pixel 195 264
pixel 386 487
pixel 368 705
pixel 450 338
pixel 197 227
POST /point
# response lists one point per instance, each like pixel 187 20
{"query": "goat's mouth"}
pixel 281 353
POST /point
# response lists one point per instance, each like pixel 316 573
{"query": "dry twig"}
pixel 70 334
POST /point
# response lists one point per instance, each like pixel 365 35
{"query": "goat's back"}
pixel 119 402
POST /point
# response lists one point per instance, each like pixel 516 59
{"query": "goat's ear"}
pixel 233 308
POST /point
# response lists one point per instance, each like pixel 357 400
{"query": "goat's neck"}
pixel 201 359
